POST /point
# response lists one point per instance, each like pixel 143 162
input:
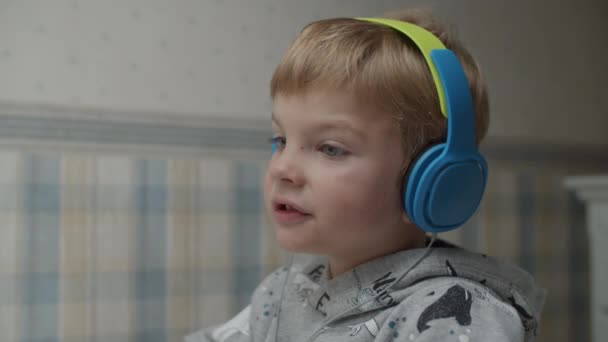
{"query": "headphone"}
pixel 446 182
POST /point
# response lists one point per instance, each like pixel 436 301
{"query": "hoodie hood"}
pixel 428 294
pixel 342 296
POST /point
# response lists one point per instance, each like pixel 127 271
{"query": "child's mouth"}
pixel 287 214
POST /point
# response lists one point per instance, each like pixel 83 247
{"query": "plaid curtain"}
pixel 115 248
pixel 110 247
pixel 529 218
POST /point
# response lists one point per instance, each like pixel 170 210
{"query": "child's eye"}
pixel 333 151
pixel 277 143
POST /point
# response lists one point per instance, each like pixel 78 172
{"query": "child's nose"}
pixel 286 166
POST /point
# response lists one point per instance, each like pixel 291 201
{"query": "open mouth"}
pixel 286 213
pixel 286 207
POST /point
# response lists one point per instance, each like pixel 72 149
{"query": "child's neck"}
pixel 339 265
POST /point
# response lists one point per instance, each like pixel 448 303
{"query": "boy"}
pixel 355 104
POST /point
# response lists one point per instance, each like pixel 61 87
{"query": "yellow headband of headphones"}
pixel 426 42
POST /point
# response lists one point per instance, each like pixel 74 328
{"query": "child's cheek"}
pixel 359 192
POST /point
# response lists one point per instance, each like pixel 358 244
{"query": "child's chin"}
pixel 293 244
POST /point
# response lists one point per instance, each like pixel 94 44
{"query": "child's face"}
pixel 337 166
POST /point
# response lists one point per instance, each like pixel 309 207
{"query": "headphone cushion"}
pixel 419 168
pixel 442 192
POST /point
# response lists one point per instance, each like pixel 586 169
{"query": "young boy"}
pixel 354 105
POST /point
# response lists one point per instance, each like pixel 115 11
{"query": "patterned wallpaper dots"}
pixel 201 57
pixel 216 57
pixel 41 29
pixel 135 14
pixel 39 86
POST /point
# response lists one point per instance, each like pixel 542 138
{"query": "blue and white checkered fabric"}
pixel 123 248
pixel 110 248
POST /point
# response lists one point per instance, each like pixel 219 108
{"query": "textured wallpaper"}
pixel 174 56
pixel 215 57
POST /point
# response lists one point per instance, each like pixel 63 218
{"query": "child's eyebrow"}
pixel 339 125
pixel 336 124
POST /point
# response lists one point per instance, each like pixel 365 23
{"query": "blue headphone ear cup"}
pixel 455 192
pixel 443 192
pixel 412 183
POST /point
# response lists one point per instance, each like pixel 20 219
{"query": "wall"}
pixel 187 56
pixel 215 58
pixel 544 66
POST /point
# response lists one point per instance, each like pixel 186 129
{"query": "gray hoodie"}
pixel 451 295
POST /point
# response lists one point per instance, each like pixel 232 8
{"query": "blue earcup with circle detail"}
pixel 442 194
pixel 447 182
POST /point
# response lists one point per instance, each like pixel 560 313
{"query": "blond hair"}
pixel 383 66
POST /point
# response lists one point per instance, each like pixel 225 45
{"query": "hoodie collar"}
pixel 348 290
